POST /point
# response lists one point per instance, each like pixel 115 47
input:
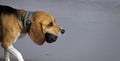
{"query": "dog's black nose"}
pixel 62 31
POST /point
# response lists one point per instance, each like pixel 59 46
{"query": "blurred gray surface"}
pixel 92 30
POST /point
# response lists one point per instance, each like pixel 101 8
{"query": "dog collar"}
pixel 27 20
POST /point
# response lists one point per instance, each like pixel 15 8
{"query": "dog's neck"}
pixel 27 20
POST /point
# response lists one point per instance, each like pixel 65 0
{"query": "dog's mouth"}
pixel 50 38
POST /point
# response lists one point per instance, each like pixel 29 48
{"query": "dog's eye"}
pixel 50 24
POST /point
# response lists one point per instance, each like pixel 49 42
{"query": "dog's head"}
pixel 44 28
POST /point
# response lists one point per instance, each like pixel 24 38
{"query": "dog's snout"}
pixel 62 31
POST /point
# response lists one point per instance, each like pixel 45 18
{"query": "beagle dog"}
pixel 14 23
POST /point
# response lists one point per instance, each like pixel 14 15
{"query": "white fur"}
pixel 60 32
pixel 13 51
pixel 6 55
pixel 22 35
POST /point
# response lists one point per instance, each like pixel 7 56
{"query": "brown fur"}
pixel 10 30
pixel 11 26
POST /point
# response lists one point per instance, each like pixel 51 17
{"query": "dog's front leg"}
pixel 15 52
pixel 6 55
pixel 7 45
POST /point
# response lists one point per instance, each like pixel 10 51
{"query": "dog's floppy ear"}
pixel 36 33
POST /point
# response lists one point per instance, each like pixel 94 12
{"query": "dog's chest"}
pixel 22 35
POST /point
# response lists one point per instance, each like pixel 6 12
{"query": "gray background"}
pixel 92 30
